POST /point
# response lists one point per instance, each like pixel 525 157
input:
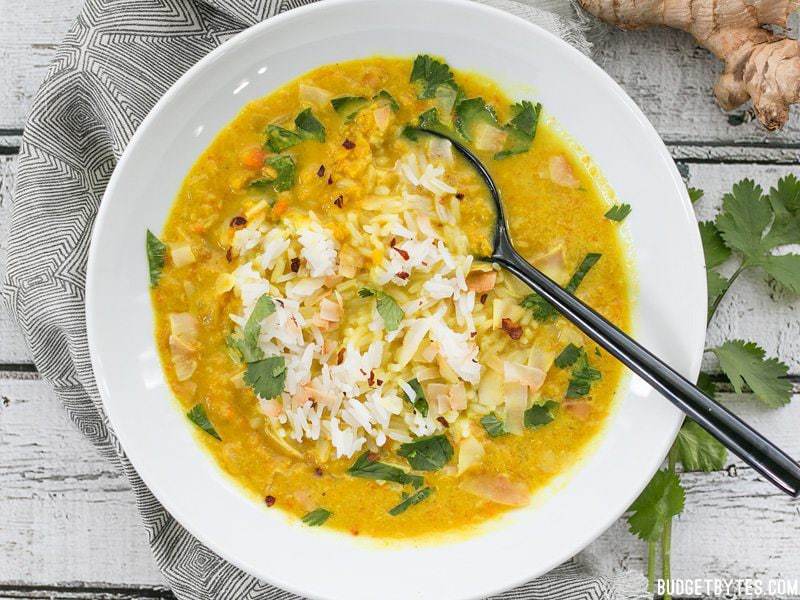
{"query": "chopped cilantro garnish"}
pixel 285 174
pixel 266 376
pixel 279 138
pixel 199 417
pixel 471 112
pixel 744 363
pixel 384 96
pixel 419 403
pixel 541 309
pixel 309 127
pixel 156 254
pixel 695 194
pixel 427 454
pixel 366 468
pixel 521 129
pixel 387 307
pixel 411 500
pixel 348 106
pixel 252 328
pixel 493 425
pixel 618 212
pixel 429 73
pixel 539 415
pixel 317 517
pixel 582 377
pixel 568 356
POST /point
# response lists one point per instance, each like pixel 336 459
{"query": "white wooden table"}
pixel 68 523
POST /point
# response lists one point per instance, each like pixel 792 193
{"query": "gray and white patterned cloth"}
pixel 118 58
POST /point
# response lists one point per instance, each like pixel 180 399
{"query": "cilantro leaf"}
pixel 568 356
pixel 349 106
pixel 618 212
pixel 582 376
pixel 695 194
pixel 263 308
pixel 493 425
pixel 411 500
pixel 714 248
pixel 285 174
pixel 754 225
pixel 744 363
pixel 266 376
pixel 469 113
pixel 427 454
pixel 541 309
pixel 367 468
pixel 198 416
pixel 156 255
pixel 419 403
pixel 428 120
pixel 317 517
pixel 280 138
pixel 309 127
pixel 387 307
pixel 384 96
pixel 661 500
pixel 698 450
pixel 429 73
pixel 521 129
pixel 540 415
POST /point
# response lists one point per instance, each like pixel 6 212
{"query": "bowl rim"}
pixel 194 71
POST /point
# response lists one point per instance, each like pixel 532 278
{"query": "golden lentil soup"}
pixel 324 325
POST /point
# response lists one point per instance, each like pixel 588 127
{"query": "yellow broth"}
pixel 540 211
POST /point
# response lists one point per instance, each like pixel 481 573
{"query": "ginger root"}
pixel 760 65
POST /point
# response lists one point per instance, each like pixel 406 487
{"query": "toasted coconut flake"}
pixel 497 488
pixel 313 94
pixel 516 397
pixel 481 281
pixel 470 454
pixel 553 264
pixel 561 172
pixel 531 377
pixel 489 138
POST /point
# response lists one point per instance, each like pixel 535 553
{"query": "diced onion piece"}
pixel 470 453
pixel 458 396
pixel 224 283
pixel 439 393
pixel 489 138
pixel 516 397
pixel 497 488
pixel 181 254
pixel 183 344
pixel 481 282
pixel 441 149
pixel 430 351
pixel 271 408
pixel 524 375
pixel 499 308
pixel 383 116
pixel 570 335
pixel 490 389
pixel 349 262
pixel 313 94
pixel 561 172
pixel 553 264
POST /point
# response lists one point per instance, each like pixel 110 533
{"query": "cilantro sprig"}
pixel 387 307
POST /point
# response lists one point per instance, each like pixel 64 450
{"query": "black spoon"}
pixel 745 442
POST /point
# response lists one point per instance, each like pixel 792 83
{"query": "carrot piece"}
pixel 253 158
pixel 280 208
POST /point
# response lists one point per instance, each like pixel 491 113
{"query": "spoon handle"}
pixel 736 435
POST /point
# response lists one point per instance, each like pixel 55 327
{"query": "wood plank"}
pixel 663 71
pixel 83 592
pixel 67 516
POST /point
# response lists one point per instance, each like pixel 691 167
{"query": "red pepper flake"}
pixel 340 357
pixel 401 252
pixel 402 275
pixel 393 242
pixel 339 201
pixel 294 264
pixel 379 382
pixel 238 222
pixel 443 421
pixel 269 500
pixel 348 145
pixel 460 196
pixel 473 333
pixel 513 330
pixel 354 532
pixel 229 254
pixel 330 179
pixel 483 298
pixel 321 171
pixel 371 380
pixel 279 301
pixel 318 472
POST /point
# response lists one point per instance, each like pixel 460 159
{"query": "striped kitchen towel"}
pixel 119 57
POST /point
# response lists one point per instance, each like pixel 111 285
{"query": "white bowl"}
pixel 669 318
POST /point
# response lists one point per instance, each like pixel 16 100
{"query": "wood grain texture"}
pixel 68 517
